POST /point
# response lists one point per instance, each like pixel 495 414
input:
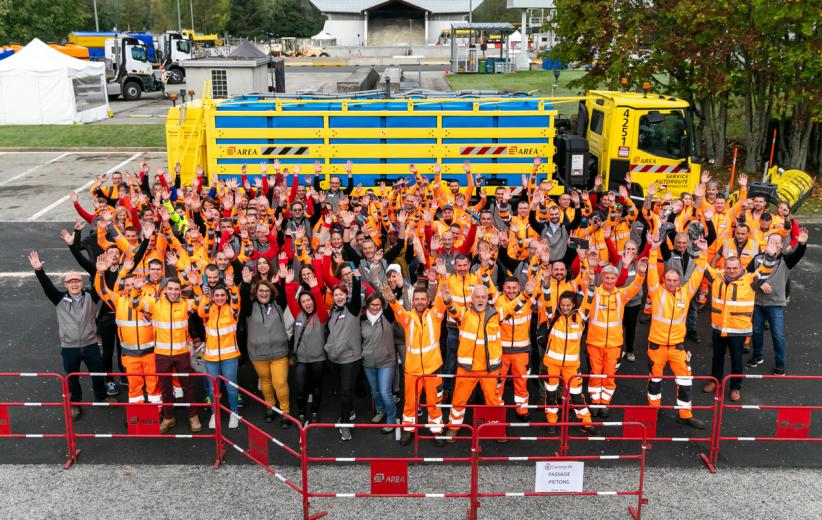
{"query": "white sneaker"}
pixel 234 421
pixel 212 423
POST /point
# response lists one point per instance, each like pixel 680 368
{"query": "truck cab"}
pixel 174 49
pixel 128 70
pixel 647 135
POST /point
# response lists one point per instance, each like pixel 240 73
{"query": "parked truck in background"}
pixel 129 72
pixel 172 49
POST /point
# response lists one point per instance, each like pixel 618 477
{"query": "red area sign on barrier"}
pixel 389 477
pixel 493 417
pixel 143 420
pixel 5 423
pixel 793 423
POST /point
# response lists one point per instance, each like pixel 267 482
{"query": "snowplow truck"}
pixel 616 133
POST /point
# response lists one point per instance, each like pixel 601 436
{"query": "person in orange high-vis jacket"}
pixel 135 330
pixel 562 357
pixel 669 308
pixel 480 349
pixel 220 310
pixel 169 314
pixel 605 336
pixel 422 358
pixel 515 327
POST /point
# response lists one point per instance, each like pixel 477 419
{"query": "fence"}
pixel 647 414
pixel 67 434
pixel 793 422
pixel 635 512
pixel 143 419
pixel 389 475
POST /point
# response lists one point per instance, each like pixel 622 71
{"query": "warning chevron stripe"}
pixel 284 150
pixel 483 150
pixel 653 168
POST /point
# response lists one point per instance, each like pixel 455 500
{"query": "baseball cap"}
pixel 448 206
pixel 72 276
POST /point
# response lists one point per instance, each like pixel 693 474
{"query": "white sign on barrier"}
pixel 565 476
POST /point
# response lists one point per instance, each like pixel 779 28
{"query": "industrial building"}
pixel 391 22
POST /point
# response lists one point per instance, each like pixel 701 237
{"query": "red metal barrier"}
pixel 636 512
pixel 647 415
pixel 143 419
pixel 482 412
pixel 389 475
pixel 258 441
pixel 793 422
pixel 5 419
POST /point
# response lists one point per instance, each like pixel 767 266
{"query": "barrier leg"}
pixel 71 441
pixel 218 441
pixel 636 514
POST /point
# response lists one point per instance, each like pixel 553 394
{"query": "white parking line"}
pixel 20 175
pixel 81 188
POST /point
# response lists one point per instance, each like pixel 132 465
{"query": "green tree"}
pixel 251 18
pixel 496 11
pixel 23 20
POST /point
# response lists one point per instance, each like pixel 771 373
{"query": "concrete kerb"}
pixel 78 149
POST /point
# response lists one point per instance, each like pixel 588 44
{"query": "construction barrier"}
pixel 647 414
pixel 143 419
pixel 259 440
pixel 389 475
pixel 6 430
pixel 481 413
pixel 793 422
pixel 572 476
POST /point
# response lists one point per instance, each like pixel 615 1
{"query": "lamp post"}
pixel 191 8
pixel 96 21
pixel 470 11
pixel 179 22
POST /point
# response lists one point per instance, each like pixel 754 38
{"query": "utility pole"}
pixel 96 21
pixel 179 23
pixel 191 8
pixel 470 11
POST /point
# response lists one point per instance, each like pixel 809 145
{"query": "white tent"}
pixel 40 85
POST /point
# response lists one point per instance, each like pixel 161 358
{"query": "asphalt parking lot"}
pixel 34 206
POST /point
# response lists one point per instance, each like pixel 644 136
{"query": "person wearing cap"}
pixel 76 312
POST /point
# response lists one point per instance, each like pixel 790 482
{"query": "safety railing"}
pixel 7 431
pixel 482 413
pixel 793 422
pixel 569 476
pixel 143 418
pixel 389 475
pixel 647 415
pixel 258 440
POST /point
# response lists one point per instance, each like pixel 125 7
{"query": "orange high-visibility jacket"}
pixel 134 326
pixel 422 335
pixel 221 328
pixel 669 309
pixel 732 303
pixel 745 254
pixel 515 323
pixel 480 346
pixel 564 339
pixel 170 320
pixel 607 309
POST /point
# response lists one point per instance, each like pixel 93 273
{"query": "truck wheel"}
pixel 323 55
pixel 175 76
pixel 132 91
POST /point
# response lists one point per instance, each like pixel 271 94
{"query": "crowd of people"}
pixel 411 284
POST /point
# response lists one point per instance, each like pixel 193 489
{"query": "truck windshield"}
pixel 662 134
pixel 139 53
pixel 184 46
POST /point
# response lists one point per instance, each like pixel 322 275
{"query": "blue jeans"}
pixel 228 369
pixel 452 343
pixel 381 381
pixel 776 321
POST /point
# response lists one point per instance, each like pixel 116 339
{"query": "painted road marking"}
pixel 35 168
pixel 81 188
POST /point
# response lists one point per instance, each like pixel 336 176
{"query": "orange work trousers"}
pixel 137 384
pixel 603 361
pixel 517 365
pixel 567 375
pixel 464 387
pixel 679 360
pixel 432 386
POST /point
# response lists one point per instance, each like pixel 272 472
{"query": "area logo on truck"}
pixel 256 151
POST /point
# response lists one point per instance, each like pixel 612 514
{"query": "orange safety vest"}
pixel 170 320
pixel 134 326
pixel 564 340
pixel 670 309
pixel 607 309
pixel 480 346
pixel 745 254
pixel 221 331
pixel 732 303
pixel 515 324
pixel 422 335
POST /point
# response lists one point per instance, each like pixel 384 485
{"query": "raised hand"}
pixel 803 235
pixel 34 260
pixel 530 286
pixel 743 180
pixel 289 275
pixel 642 266
pixel 247 274
pixel 171 258
pixel 623 192
pixel 102 263
pixel 388 294
pixel 68 238
pixel 702 244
